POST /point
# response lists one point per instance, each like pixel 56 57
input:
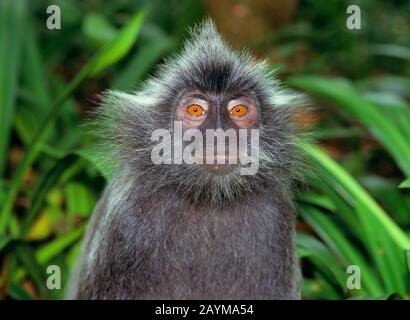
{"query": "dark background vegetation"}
pixel 354 211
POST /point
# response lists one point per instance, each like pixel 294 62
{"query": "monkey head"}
pixel 208 87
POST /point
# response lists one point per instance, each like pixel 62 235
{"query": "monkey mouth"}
pixel 220 164
pixel 219 169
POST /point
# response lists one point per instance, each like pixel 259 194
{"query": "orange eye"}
pixel 195 110
pixel 239 110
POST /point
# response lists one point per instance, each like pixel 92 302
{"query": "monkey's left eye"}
pixel 239 110
pixel 195 110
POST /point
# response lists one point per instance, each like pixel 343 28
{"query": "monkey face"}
pixel 209 112
pixel 209 89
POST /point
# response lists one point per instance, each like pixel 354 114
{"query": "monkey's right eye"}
pixel 195 110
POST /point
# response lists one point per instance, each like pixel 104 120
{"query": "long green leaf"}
pixel 120 46
pixel 35 92
pixel 389 259
pixel 94 157
pixel 387 193
pixel 17 292
pixel 345 96
pixel 12 32
pixel 370 232
pixel 98 29
pixel 50 250
pixel 321 257
pixel 4 241
pixel 405 184
pixel 40 191
pixel 143 60
pixel 360 196
pixel 107 56
pixel 342 247
pixel 27 258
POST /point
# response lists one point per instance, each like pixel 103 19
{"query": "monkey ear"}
pixel 118 102
pixel 286 98
pixel 127 114
pixel 121 123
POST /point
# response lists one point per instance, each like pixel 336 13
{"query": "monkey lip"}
pixel 220 164
pixel 219 169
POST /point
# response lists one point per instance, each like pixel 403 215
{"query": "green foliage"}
pixel 12 14
pixel 359 220
pixel 355 209
pixel 383 125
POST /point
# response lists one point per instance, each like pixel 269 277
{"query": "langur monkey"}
pixel 201 230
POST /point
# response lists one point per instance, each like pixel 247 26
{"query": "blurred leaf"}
pixel 40 229
pixel 373 212
pixel 55 197
pixel 45 183
pixel 27 258
pixel 26 121
pixel 392 84
pixel 93 155
pixel 72 255
pixel 321 257
pixel 35 76
pixel 388 257
pixel 319 288
pixel 17 292
pixel 105 57
pixel 405 184
pixel 336 133
pixel 345 250
pixel 56 215
pixel 390 296
pixel 71 11
pixel 2 191
pixel 79 199
pixel 387 193
pixel 120 46
pixel 341 199
pixel 386 99
pixel 317 200
pixel 147 55
pixel 51 249
pixel 394 108
pixel 384 240
pixel 344 95
pixel 4 241
pixel 67 139
pixel 35 91
pixel 98 29
pixel 12 33
pixel 390 50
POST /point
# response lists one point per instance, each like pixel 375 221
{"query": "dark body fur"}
pixel 176 231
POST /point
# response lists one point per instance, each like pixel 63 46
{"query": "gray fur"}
pixel 178 231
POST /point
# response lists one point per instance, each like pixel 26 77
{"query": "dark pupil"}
pixel 238 110
pixel 195 109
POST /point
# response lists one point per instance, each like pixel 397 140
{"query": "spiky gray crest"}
pixel 209 65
